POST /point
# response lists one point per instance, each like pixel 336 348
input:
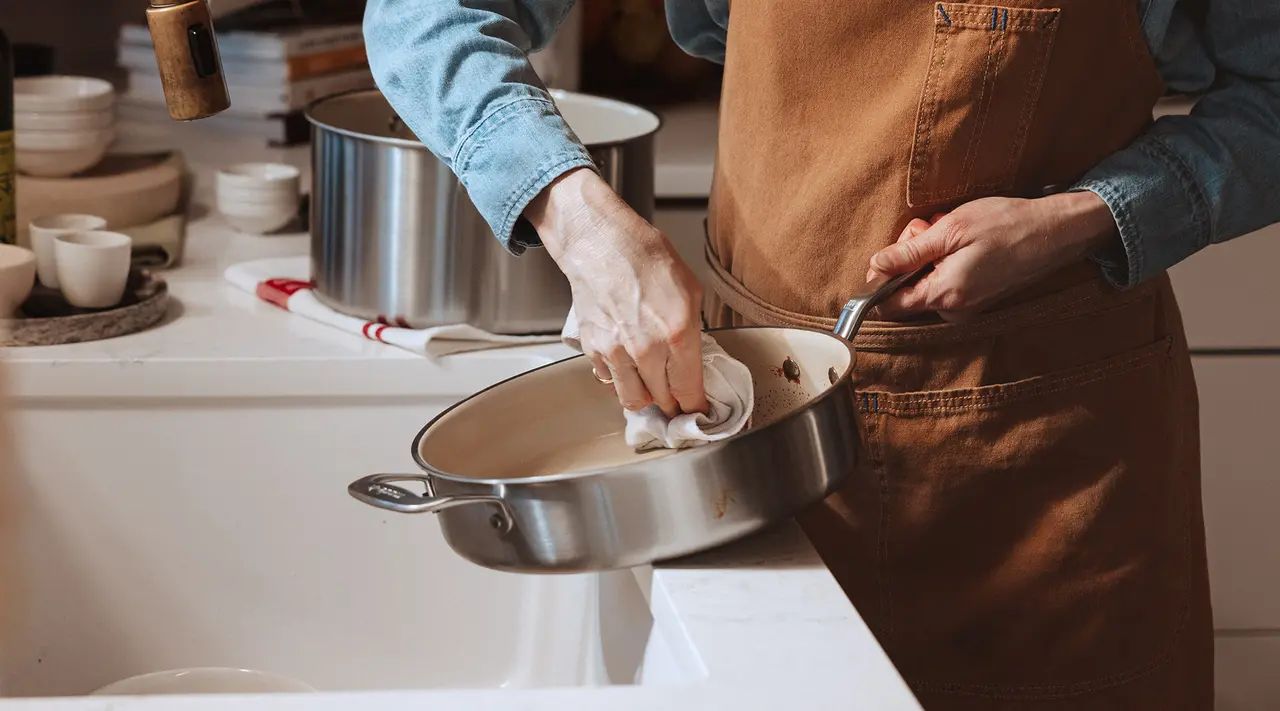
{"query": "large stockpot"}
pixel 534 475
pixel 394 235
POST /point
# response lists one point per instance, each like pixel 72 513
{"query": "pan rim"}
pixel 702 450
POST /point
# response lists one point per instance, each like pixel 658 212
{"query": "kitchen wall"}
pixel 83 32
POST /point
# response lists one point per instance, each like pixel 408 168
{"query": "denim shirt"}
pixel 458 74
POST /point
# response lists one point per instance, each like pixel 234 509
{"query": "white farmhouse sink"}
pixel 163 534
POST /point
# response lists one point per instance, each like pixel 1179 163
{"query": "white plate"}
pixel 204 680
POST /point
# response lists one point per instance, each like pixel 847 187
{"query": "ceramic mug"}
pixel 45 229
pixel 93 267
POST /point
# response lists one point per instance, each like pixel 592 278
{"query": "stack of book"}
pixel 271 74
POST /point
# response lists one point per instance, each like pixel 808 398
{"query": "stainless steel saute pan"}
pixel 533 474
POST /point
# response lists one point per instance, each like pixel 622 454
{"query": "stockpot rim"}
pixel 309 112
pixel 705 450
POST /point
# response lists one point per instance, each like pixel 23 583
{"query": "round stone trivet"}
pixel 46 319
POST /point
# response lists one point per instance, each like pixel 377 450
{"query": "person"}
pixel 1024 528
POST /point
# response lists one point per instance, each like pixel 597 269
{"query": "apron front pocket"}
pixel 985 72
pixel 1033 536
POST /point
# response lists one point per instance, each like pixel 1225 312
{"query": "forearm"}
pixel 458 74
pixel 1208 177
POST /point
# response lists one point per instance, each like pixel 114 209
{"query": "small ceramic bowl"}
pixel 17 277
pixel 63 120
pixel 58 154
pixel 59 164
pixel 62 93
pixel 45 229
pixel 257 196
pixel 93 267
pixel 257 176
pixel 62 139
pixel 204 680
pixel 258 219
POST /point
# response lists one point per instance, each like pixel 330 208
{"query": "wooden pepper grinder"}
pixel 187 54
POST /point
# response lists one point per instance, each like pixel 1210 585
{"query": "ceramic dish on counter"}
pixel 45 318
pixel 258 198
pixel 63 124
pixel 57 154
pixel 17 276
pixel 124 189
pixel 92 267
pixel 62 94
pixel 204 680
pixel 44 230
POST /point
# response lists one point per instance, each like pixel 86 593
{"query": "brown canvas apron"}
pixel 1024 528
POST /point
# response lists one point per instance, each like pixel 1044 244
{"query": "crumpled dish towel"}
pixel 730 393
pixel 286 282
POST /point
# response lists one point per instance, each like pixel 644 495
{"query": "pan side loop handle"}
pixel 876 290
pixel 381 491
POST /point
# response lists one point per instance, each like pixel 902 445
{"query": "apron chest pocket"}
pixel 985 73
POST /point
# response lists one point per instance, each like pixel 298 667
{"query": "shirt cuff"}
pixel 508 159
pixel 1161 213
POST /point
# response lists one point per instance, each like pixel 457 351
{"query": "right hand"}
pixel 638 304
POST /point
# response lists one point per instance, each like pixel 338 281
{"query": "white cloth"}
pixel 730 393
pixel 286 282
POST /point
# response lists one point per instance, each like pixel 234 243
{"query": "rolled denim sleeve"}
pixel 700 27
pixel 1210 176
pixel 457 72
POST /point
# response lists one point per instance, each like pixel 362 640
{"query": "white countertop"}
pixel 767 621
pixel 272 353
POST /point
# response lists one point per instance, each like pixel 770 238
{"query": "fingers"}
pixel 668 374
pixel 600 368
pixel 651 364
pixel 914 228
pixel 953 289
pixel 914 249
pixel 627 382
pixel 911 300
pixel 684 371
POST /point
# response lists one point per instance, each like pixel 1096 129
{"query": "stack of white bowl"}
pixel 258 198
pixel 63 124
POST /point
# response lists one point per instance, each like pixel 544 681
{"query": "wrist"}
pixel 559 212
pixel 1085 221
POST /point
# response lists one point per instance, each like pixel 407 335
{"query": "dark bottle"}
pixel 8 171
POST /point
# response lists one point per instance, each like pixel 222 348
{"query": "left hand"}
pixel 990 247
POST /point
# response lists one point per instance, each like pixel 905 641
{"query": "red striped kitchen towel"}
pixel 286 282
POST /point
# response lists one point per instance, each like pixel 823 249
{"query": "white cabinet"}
pixel 682 223
pixel 1240 453
pixel 1246 670
pixel 1229 293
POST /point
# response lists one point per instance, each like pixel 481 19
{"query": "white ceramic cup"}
pixel 93 267
pixel 45 229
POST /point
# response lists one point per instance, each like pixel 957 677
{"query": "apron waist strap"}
pixel 753 308
pixel 1077 291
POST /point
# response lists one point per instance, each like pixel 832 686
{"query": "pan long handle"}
pixel 380 490
pixel 876 290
